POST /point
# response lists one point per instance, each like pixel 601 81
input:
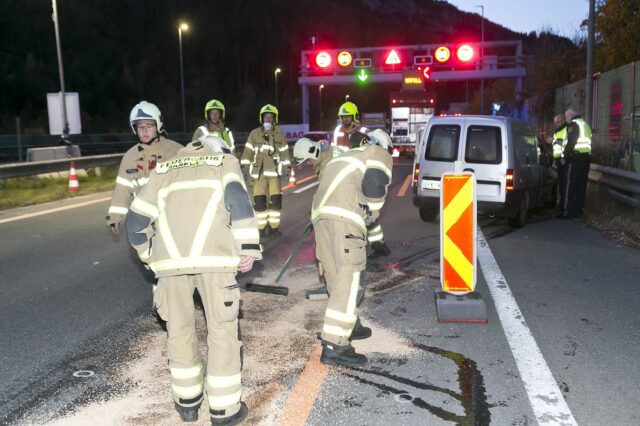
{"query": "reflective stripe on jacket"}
pixel 266 153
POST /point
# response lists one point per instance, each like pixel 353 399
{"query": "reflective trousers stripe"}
pixel 217 402
pixel 186 373
pixel 219 382
pixel 187 391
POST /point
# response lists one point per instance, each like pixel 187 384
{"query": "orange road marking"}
pixel 299 182
pixel 405 185
pixel 303 396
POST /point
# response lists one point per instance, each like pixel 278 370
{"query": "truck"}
pixel 410 111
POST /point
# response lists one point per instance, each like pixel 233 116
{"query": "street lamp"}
pixel 182 27
pixel 275 75
pixel 346 98
pixel 320 95
pixel 63 101
pixel 481 59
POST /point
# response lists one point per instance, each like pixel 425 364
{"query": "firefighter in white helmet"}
pixel 318 153
pixel 194 226
pixel 352 190
pixel 266 158
pixel 153 146
pixel 215 116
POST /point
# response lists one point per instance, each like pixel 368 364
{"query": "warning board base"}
pixel 460 308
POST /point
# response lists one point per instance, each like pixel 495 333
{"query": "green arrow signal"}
pixel 362 76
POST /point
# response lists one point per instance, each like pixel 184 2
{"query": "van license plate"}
pixel 430 184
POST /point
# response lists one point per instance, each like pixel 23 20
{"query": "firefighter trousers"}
pixel 221 299
pixel 341 251
pixel 267 198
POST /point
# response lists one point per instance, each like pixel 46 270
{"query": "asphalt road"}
pixel 72 297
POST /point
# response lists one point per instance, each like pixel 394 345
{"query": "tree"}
pixel 618 33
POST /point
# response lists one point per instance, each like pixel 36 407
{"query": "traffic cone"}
pixel 292 178
pixel 74 185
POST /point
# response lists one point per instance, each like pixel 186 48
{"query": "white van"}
pixel 503 153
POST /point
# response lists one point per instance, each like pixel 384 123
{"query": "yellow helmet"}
pixel 348 108
pixel 214 104
pixel 268 108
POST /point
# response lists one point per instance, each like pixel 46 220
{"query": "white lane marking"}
pixel 57 209
pixel 304 188
pixel 544 394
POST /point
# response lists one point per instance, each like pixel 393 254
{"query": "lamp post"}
pixel 63 101
pixel 346 98
pixel 481 59
pixel 320 96
pixel 275 76
pixel 182 27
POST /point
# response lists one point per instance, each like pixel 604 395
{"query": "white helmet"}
pixel 381 138
pixel 215 144
pixel 306 149
pixel 145 111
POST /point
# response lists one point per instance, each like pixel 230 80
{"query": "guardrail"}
pixel 38 167
pixel 624 186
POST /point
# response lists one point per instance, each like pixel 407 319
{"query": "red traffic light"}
pixel 465 53
pixel 323 60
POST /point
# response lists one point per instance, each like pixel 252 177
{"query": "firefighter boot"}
pixel 232 420
pixel 360 332
pixel 187 414
pixel 346 355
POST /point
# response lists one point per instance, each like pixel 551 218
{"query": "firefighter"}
pixel 348 117
pixel 577 154
pixel 215 116
pixel 145 120
pixel 350 194
pixel 319 154
pixel 559 142
pixel 193 225
pixel 266 157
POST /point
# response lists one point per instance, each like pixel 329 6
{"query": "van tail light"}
pixel 416 173
pixel 509 185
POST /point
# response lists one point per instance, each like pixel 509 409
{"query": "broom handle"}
pixel 294 252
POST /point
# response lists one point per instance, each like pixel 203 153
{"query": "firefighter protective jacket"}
pixel 135 168
pixel 266 153
pixel 353 187
pixel 340 142
pixel 222 132
pixel 194 215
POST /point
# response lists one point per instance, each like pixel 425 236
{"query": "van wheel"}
pixel 520 218
pixel 428 215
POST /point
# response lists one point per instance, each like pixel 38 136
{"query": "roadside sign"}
pixel 458 233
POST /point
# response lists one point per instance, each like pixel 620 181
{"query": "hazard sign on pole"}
pixel 458 301
pixel 458 233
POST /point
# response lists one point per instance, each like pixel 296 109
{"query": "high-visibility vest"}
pixel 583 145
pixel 559 142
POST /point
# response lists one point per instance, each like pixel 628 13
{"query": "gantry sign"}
pixel 436 62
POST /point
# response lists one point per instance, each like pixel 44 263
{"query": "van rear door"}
pixel 485 154
pixel 440 155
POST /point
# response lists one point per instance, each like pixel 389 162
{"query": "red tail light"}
pixel 509 185
pixel 416 173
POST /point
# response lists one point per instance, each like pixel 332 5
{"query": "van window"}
pixel 443 143
pixel 484 145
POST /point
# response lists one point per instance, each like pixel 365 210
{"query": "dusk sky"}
pixel 562 16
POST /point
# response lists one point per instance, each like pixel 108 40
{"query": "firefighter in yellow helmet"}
pixel 348 125
pixel 351 192
pixel 215 116
pixel 266 158
pixel 153 146
pixel 194 226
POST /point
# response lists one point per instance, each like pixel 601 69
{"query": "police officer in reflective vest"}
pixel 194 226
pixel 577 154
pixel 145 120
pixel 351 192
pixel 215 116
pixel 266 157
pixel 349 124
pixel 559 142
